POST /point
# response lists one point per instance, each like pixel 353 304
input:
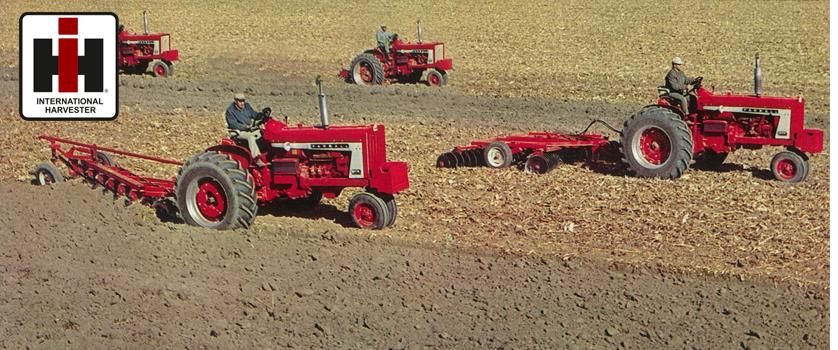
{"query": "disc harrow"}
pixel 535 152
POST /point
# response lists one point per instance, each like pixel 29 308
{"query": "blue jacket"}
pixel 240 119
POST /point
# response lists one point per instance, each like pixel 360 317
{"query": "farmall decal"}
pixel 68 66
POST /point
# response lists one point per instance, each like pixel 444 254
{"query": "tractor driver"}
pixel 384 40
pixel 679 84
pixel 243 124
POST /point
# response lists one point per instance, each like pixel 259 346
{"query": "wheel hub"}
pixel 654 146
pixel 495 157
pixel 364 214
pixel 786 169
pixel 209 200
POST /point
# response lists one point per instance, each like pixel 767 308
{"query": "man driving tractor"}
pixel 679 84
pixel 243 124
pixel 384 40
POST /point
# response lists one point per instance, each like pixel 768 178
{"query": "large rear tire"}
pixel 213 190
pixel 656 143
pixel 366 69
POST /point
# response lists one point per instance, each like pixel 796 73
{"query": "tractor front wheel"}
pixel 46 174
pixel 437 78
pixel 161 69
pixel 214 191
pixel 369 211
pixel 789 167
pixel 656 143
pixel 366 69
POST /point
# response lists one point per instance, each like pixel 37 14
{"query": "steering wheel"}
pixel 262 117
pixel 696 83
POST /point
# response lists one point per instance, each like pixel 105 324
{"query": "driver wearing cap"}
pixel 384 40
pixel 679 84
pixel 242 124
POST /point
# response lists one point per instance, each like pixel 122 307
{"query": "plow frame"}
pixel 82 159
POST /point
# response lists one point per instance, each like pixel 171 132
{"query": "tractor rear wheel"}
pixel 789 167
pixel 366 69
pixel 437 78
pixel 161 69
pixel 497 155
pixel 710 160
pixel 656 143
pixel 214 191
pixel 369 211
pixel 46 174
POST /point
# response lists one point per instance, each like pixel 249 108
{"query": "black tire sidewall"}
pixel 373 62
pixel 378 205
pixel 680 152
pixel 166 68
pixel 50 169
pixel 200 170
pixel 800 164
pixel 504 149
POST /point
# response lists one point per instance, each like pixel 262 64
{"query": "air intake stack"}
pixel 757 78
pixel 145 23
pixel 321 100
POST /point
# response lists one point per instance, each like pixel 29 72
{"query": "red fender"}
pixel 238 153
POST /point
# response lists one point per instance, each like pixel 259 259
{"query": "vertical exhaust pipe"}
pixel 419 30
pixel 321 100
pixel 145 22
pixel 757 78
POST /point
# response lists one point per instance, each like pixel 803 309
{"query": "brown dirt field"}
pixel 108 277
pixel 730 253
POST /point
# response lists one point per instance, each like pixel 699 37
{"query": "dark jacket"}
pixel 240 119
pixel 676 80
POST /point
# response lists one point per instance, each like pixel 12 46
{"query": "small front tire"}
pixel 789 167
pixel 369 211
pixel 46 174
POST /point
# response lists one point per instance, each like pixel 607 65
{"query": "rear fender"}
pixel 238 153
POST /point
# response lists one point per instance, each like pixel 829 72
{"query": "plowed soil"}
pixel 581 257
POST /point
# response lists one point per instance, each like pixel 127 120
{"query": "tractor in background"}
pixel 137 52
pixel 660 140
pixel 408 62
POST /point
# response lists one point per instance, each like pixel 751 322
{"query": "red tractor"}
pixel 138 51
pixel 407 63
pixel 222 188
pixel 660 140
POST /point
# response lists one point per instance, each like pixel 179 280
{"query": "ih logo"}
pixel 68 66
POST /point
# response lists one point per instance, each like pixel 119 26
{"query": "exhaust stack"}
pixel 757 78
pixel 145 23
pixel 321 100
pixel 419 30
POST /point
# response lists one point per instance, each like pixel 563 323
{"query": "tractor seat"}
pixel 663 91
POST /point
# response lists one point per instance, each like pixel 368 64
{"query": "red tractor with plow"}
pixel 407 63
pixel 137 52
pixel 222 188
pixel 660 140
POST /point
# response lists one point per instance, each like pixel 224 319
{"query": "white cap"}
pixel 677 60
pixel 239 97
